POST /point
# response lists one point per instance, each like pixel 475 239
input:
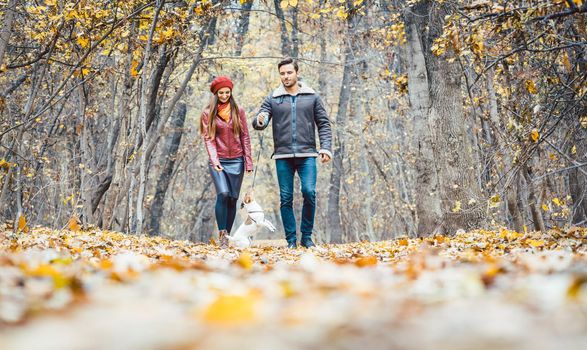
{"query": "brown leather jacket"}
pixel 225 144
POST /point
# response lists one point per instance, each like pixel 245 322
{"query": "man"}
pixel 296 111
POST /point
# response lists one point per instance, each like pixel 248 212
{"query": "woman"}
pixel 224 129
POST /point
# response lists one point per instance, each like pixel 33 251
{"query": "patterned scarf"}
pixel 224 111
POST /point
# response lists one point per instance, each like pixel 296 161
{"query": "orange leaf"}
pixel 22 224
pixel 133 68
pixel 535 135
pixel 73 224
pixel 366 261
pixel 531 87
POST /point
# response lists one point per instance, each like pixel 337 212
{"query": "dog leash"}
pixel 257 162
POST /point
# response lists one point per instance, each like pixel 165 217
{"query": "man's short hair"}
pixel 288 60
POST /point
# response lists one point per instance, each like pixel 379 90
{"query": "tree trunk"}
pixel 243 27
pixel 323 75
pixel 285 42
pixel 170 153
pixel 86 155
pixel 336 176
pixel 462 204
pixel 578 179
pixel 428 205
pixel 6 30
pixel 533 201
pixel 295 43
pixel 500 145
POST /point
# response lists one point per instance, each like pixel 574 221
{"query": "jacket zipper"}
pixel 293 125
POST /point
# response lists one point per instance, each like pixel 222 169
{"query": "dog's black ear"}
pixel 242 205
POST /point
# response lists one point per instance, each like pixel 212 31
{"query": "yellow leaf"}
pixel 557 201
pixel 403 242
pixel 71 15
pixel 574 149
pixel 231 310
pixel 535 243
pixel 494 201
pixel 552 156
pixel 573 292
pixel 293 3
pixel 133 68
pixel 83 42
pixel 73 224
pixel 478 45
pixel 284 4
pixel 168 33
pixel 341 13
pixel 245 261
pixel 46 270
pixel 457 207
pixel 531 87
pixel 535 135
pixel 566 62
pixel 584 122
pixel 287 289
pixel 544 207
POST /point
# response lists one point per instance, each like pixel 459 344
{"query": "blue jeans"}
pixel 306 168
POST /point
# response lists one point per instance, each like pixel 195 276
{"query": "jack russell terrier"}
pixel 244 235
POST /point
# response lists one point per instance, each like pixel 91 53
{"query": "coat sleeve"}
pixel 324 130
pixel 246 141
pixel 265 109
pixel 209 143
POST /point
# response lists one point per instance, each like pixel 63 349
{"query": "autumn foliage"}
pixel 100 288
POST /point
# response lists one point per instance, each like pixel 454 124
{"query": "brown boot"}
pixel 223 239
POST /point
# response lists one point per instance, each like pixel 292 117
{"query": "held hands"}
pixel 324 158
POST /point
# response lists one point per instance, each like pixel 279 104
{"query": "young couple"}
pixel 296 111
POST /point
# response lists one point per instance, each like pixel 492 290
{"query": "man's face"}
pixel 288 74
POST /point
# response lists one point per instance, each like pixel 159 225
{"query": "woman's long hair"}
pixel 213 112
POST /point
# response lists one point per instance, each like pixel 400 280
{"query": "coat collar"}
pixel 304 89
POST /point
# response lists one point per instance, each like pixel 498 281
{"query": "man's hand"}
pixel 218 168
pixel 261 119
pixel 325 158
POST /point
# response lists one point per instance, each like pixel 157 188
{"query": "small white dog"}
pixel 244 235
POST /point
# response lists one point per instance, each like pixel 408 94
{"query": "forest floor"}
pixel 62 289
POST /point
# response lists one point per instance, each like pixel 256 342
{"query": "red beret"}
pixel 219 83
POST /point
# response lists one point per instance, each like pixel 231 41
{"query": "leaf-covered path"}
pixel 105 290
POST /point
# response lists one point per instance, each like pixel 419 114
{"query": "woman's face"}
pixel 224 94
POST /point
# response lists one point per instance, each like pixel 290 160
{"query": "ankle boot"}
pixel 306 241
pixel 223 239
pixel 291 241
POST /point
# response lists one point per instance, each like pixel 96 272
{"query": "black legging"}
pixel 225 211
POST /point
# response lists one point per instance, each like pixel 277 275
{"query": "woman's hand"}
pixel 249 171
pixel 218 167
